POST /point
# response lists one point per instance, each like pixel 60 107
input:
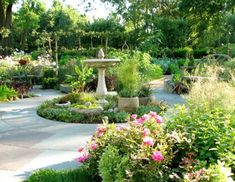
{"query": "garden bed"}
pixel 84 109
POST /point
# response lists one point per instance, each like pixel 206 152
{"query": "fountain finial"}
pixel 100 54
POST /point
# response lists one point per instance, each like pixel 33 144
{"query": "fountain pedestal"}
pixel 101 89
pixel 101 65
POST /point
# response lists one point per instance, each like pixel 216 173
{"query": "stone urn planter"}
pixel 128 104
pixel 66 104
pixel 65 88
pixel 146 100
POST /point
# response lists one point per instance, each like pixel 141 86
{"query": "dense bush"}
pixel 147 70
pixel 50 111
pixel 7 93
pixel 49 175
pixel 149 151
pixel 211 133
pixel 173 31
pixel 171 66
pixel 49 79
pixel 128 85
pixel 200 53
pixel 212 92
pixel 158 108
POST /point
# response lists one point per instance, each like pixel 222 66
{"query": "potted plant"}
pixel 145 95
pixel 128 78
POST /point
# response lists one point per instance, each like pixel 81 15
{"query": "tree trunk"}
pixel 8 16
pixel 22 39
pixel 91 42
pixel 2 18
pixel 49 42
pixel 2 13
pixel 101 41
pixel 56 56
pixel 79 43
pixel 8 40
pixel 106 44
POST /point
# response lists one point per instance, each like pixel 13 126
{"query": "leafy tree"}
pixel 206 18
pixel 5 21
pixel 27 19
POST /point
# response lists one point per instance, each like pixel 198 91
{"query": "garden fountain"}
pixel 101 64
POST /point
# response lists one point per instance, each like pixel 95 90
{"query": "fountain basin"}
pixel 101 65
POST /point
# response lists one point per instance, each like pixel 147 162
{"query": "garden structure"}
pixel 117 91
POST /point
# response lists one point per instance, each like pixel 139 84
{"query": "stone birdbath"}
pixel 101 64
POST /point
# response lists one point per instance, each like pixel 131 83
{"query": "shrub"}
pixel 7 93
pixel 158 108
pixel 48 110
pixel 117 117
pixel 128 84
pixel 143 60
pixel 212 132
pixel 185 52
pixel 133 152
pixel 212 92
pixel 74 98
pixel 49 83
pixel 60 114
pixel 145 91
pixel 49 73
pixel 199 53
pixel 115 169
pixel 82 76
pixel 49 175
pixel 171 66
pixel 145 68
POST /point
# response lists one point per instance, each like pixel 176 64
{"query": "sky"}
pixel 99 9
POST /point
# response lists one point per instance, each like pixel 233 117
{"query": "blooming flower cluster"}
pixel 147 117
pixel 147 139
pixel 83 155
pixel 147 127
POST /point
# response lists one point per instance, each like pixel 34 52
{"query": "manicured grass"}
pixel 49 175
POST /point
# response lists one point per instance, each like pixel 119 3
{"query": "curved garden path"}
pixel 29 142
pixel 160 94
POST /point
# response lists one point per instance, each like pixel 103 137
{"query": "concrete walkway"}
pixel 161 95
pixel 29 142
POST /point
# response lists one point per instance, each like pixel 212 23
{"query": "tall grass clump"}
pixel 212 92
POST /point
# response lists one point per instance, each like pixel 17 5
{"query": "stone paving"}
pixel 29 142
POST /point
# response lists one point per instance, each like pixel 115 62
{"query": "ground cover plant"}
pixel 88 101
pixel 7 94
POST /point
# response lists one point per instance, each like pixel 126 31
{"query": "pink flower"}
pixel 93 145
pixel 82 158
pixel 100 131
pixel 145 117
pixel 101 128
pixel 153 114
pixel 146 132
pixel 159 119
pixel 121 127
pixel 148 141
pixel 134 116
pixel 80 149
pixel 140 120
pixel 157 156
pixel 99 134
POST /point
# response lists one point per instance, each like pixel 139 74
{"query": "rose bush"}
pixel 134 151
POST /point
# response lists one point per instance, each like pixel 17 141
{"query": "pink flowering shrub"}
pixel 134 151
